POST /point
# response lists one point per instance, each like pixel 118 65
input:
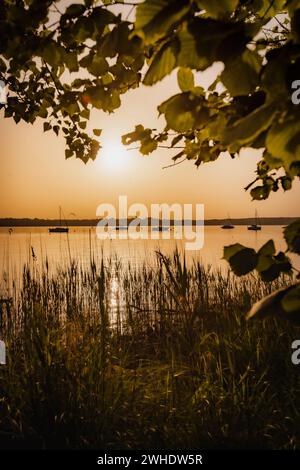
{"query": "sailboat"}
pixel 255 226
pixel 161 227
pixel 228 225
pixel 59 229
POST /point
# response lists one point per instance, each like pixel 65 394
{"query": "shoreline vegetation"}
pixel 118 356
pixel 27 222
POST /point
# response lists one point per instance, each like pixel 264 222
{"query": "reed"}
pixel 123 357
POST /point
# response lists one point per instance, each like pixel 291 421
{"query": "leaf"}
pixel 232 250
pixel 98 66
pixel 269 8
pixel 271 273
pixel 53 53
pixel 56 129
pixel 265 254
pixel 68 102
pixel 269 305
pixel 286 183
pixel 85 113
pixel 248 128
pixel 181 112
pixel 176 139
pixel 188 55
pixel 47 126
pixel 185 79
pixel 68 153
pixel 75 10
pixel 242 260
pixel 97 132
pixel 283 140
pixel 268 249
pixel 291 301
pixel 148 146
pixel 218 8
pixel 205 41
pixel 71 61
pixel 241 74
pixel 138 134
pixel 156 17
pixel 163 62
pixel 279 264
pixel 260 192
pixel 292 236
pixel 83 29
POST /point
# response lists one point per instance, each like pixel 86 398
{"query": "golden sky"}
pixel 36 178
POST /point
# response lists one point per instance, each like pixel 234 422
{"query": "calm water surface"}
pixel 35 244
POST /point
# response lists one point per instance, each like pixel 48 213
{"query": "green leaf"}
pixel 47 126
pixel 268 249
pixel 291 302
pixel 71 61
pixel 183 112
pixel 163 62
pixel 156 17
pixel 68 102
pixel 56 129
pixel 68 153
pixel 265 256
pixel 98 66
pixel 248 128
pixel 286 183
pixel 185 79
pixel 148 146
pixel 176 139
pixel 270 266
pixel 75 10
pixel 241 74
pixel 83 29
pixel 218 8
pixel 295 23
pixel 271 273
pixel 269 305
pixel 269 8
pixel 232 250
pixel 242 260
pixel 292 236
pixel 283 140
pixel 53 53
pixel 260 193
pixel 188 55
pixel 205 41
pixel 85 113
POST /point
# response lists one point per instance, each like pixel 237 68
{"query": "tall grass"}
pixel 118 357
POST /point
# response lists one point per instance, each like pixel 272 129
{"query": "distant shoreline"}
pixel 25 222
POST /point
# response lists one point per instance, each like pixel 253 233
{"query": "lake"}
pixel 35 244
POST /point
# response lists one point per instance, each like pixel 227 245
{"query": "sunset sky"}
pixel 36 178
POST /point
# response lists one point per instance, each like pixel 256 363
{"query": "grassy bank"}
pixel 121 357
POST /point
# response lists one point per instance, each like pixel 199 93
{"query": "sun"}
pixel 112 156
